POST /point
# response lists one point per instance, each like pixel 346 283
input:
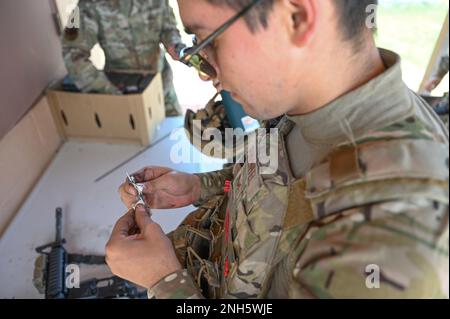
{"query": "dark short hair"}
pixel 352 14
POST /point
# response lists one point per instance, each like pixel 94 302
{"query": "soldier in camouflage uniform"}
pixel 442 107
pixel 130 33
pixel 356 205
pixel 441 72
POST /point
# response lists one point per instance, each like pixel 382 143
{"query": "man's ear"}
pixel 303 20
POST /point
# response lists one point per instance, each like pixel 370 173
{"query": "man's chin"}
pixel 250 110
pixel 237 99
pixel 254 115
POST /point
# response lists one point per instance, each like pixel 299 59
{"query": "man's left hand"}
pixel 143 258
pixel 433 83
pixel 174 51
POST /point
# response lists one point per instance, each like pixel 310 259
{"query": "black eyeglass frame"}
pixel 190 55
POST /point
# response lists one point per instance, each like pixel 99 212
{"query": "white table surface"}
pixel 90 208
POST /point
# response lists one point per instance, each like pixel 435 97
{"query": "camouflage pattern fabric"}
pixel 212 117
pixel 442 108
pixel 370 220
pixel 213 183
pixel 443 66
pixel 179 278
pixel 317 237
pixel 130 33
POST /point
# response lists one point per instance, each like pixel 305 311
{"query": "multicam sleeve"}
pixel 443 66
pixel 77 44
pixel 170 35
pixel 178 285
pixel 390 250
pixel 213 183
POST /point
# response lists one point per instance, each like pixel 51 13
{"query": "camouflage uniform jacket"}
pixel 443 66
pixel 441 73
pixel 357 207
pixel 129 32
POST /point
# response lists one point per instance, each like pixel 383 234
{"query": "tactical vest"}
pixel 232 244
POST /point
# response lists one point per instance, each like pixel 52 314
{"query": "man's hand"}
pixel 174 51
pixel 433 83
pixel 163 188
pixel 143 258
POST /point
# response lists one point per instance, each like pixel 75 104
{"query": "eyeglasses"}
pixel 191 56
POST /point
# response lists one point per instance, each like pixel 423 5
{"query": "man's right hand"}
pixel 433 83
pixel 163 188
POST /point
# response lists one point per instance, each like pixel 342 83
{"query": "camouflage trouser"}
pixel 170 96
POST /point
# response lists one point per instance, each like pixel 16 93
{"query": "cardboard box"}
pixel 129 119
pixel 25 153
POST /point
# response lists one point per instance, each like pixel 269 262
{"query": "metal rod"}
pixel 132 157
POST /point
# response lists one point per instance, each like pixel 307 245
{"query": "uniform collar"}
pixel 378 103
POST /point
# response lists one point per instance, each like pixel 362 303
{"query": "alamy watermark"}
pixel 73 21
pixel 72 11
pixel 259 147
pixel 371 20
pixel 373 276
pixel 72 276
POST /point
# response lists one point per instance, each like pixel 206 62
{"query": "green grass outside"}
pixel 411 29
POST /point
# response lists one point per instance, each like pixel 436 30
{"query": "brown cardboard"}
pixel 30 57
pixel 109 118
pixel 25 152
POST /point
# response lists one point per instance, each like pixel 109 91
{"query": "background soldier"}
pixel 442 71
pixel 130 33
pixel 441 108
pixel 358 204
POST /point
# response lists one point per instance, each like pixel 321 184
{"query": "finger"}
pixel 127 198
pixel 163 183
pixel 150 200
pixel 122 227
pixel 133 237
pixel 142 217
pixel 139 175
pixel 156 172
pixel 150 173
pixel 129 189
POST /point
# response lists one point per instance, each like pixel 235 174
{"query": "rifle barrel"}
pixel 58 239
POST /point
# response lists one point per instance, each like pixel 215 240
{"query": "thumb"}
pixel 130 190
pixel 142 217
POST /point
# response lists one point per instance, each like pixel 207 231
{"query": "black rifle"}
pixel 50 273
pixel 130 83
